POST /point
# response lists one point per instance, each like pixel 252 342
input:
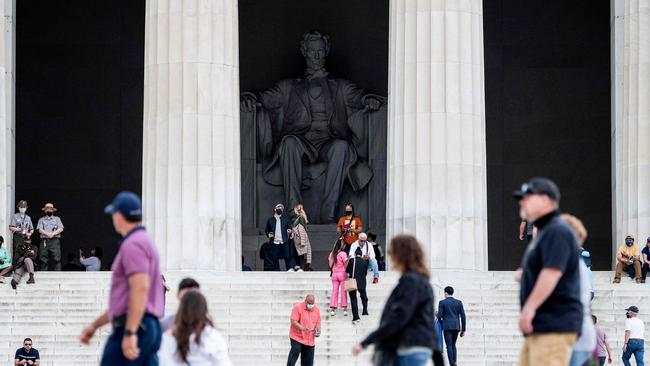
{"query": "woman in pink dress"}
pixel 338 261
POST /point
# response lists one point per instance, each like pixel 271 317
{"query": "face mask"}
pixel 348 213
pixel 22 210
pixel 310 306
pixel 278 211
pixel 627 315
pixel 49 213
pixel 629 244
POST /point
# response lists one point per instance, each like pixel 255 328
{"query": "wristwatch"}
pixel 129 333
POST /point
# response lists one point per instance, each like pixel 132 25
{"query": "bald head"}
pixel 310 299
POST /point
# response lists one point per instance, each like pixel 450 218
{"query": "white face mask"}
pixel 22 210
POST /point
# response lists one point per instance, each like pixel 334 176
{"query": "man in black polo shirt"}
pixel 551 312
pixel 26 355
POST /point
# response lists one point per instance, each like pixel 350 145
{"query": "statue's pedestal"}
pixel 322 238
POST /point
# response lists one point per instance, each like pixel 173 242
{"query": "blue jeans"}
pixel 374 267
pixel 281 251
pixel 415 359
pixel 578 358
pixel 149 335
pixel 634 347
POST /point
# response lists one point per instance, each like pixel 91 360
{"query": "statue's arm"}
pixel 275 96
pixel 268 99
pixel 358 98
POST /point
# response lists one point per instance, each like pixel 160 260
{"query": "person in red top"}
pixel 305 327
pixel 349 227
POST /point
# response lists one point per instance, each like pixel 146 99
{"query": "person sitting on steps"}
pixel 628 257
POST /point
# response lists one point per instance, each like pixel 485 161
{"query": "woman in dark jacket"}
pixel 358 269
pixel 406 335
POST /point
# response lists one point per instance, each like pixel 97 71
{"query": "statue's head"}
pixel 315 47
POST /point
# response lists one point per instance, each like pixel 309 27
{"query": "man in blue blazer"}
pixel 452 316
pixel 278 231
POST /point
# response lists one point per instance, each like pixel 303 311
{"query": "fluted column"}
pixel 7 120
pixel 191 174
pixel 437 163
pixel 631 112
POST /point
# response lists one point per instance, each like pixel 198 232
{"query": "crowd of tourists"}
pixel 556 318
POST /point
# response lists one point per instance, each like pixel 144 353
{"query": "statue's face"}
pixel 315 54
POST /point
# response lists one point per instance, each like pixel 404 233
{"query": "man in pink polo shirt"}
pixel 135 301
pixel 305 327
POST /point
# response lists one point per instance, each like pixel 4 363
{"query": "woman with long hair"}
pixel 338 261
pixel 406 333
pixel 586 342
pixel 301 241
pixel 193 340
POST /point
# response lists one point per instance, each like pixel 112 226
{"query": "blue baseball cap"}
pixel 126 203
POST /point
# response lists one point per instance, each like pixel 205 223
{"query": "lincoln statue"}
pixel 312 126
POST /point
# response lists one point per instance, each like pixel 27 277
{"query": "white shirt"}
pixel 366 250
pixel 213 350
pixel 277 236
pixel 587 340
pixel 636 328
pixel 92 264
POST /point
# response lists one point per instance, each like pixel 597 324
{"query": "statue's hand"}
pixel 372 103
pixel 248 102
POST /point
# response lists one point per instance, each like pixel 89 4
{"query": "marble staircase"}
pixel 252 309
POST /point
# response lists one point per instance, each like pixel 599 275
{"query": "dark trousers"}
pixel 601 361
pixel 296 260
pixel 644 271
pixel 149 336
pixel 306 354
pixel 451 336
pixel 353 303
pixel 49 252
pixel 281 251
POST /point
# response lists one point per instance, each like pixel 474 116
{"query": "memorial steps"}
pixel 253 310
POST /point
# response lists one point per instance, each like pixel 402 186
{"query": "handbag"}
pixel 351 283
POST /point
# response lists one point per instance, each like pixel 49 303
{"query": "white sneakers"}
pixel 295 270
pixel 345 312
pixel 332 312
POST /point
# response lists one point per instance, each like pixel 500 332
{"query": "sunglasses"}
pixel 28 344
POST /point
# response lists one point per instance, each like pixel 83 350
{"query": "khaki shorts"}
pixel 547 349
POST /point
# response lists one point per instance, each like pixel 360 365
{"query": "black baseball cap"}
pixel 126 203
pixel 633 309
pixel 538 186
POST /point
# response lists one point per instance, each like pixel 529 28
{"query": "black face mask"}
pixel 627 315
pixel 348 213
pixel 278 211
pixel 49 213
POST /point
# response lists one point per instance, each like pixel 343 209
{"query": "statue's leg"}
pixel 290 153
pixel 337 155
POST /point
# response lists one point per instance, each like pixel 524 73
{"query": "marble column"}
pixel 7 120
pixel 436 150
pixel 191 167
pixel 631 119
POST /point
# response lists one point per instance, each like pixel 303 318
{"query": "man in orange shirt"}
pixel 349 226
pixel 305 327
